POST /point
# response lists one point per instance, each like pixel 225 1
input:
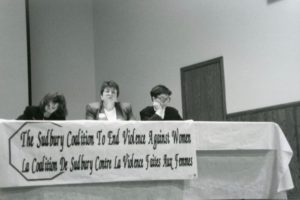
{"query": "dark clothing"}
pixel 36 113
pixel 148 113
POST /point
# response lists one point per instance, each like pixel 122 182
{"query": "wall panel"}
pixel 287 116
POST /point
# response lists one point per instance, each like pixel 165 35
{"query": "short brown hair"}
pixel 160 89
pixel 110 84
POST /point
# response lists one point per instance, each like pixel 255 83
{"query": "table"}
pixel 236 160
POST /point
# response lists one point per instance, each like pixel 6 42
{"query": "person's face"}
pixel 109 94
pixel 163 99
pixel 51 107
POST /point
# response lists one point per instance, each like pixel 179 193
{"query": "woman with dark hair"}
pixel 160 96
pixel 51 107
pixel 109 108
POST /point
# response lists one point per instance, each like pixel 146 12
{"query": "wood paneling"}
pixel 203 98
pixel 203 94
pixel 287 116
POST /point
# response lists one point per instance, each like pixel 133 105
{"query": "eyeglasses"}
pixel 164 98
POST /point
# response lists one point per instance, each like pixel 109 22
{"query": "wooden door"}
pixel 203 91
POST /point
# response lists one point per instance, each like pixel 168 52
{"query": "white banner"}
pixel 69 152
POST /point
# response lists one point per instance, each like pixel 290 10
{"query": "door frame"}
pixel 218 60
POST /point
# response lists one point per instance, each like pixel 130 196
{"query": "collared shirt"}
pixel 161 114
pixel 111 114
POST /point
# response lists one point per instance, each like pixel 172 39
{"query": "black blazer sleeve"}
pixel 23 116
pixel 30 113
pixel 172 114
pixel 148 113
pixel 35 113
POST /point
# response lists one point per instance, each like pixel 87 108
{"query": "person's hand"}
pixel 157 105
pixel 164 104
pixel 164 100
pixel 50 108
pixel 159 108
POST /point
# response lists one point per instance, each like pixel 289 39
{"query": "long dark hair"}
pixel 55 98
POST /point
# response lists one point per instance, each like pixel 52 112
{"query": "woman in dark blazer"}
pixel 51 107
pixel 160 96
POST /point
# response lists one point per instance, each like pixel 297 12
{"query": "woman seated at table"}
pixel 160 109
pixel 108 107
pixel 51 107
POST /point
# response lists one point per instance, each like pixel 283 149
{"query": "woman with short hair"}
pixel 160 109
pixel 108 107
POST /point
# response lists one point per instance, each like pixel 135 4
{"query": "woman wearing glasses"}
pixel 160 96
pixel 108 107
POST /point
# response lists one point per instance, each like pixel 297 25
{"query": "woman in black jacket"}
pixel 51 107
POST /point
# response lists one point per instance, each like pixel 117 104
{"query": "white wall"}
pixel 62 51
pixel 77 44
pixel 13 59
pixel 141 43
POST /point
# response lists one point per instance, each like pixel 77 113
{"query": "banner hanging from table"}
pixel 67 152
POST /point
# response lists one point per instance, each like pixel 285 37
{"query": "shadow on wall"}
pixel 272 1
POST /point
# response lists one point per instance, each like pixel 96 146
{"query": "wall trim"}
pixel 268 108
